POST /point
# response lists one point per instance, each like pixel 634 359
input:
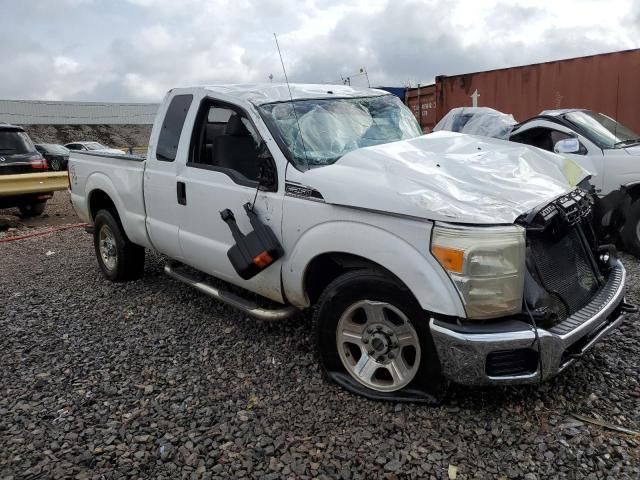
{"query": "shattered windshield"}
pixel 602 130
pixel 331 128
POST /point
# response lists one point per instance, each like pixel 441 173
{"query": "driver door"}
pixel 222 172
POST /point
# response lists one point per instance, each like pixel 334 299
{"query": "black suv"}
pixel 18 155
pixel 56 155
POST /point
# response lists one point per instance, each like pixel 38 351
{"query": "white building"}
pixel 43 112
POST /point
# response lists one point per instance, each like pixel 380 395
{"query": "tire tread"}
pixel 130 265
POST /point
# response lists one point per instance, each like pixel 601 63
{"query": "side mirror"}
pixel 568 145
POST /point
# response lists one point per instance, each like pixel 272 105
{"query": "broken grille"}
pixel 563 268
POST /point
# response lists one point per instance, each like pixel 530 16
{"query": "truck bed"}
pixel 121 178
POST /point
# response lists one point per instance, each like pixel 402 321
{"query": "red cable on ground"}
pixel 44 232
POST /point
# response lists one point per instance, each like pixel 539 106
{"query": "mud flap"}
pixel 254 251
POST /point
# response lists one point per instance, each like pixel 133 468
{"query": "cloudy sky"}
pixel 134 50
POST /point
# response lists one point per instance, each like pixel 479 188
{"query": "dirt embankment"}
pixel 117 136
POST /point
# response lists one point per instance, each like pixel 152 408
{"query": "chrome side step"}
pixel 247 306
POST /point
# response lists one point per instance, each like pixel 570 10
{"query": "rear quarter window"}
pixel 172 127
pixel 15 142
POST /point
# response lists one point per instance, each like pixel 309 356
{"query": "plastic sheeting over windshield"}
pixel 482 121
pixel 327 129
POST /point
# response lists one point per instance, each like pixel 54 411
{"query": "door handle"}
pixel 181 191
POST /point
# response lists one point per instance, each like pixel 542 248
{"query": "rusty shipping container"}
pixel 422 102
pixel 604 83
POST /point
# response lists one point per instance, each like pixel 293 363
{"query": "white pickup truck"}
pixel 426 258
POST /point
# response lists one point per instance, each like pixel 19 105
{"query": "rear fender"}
pixel 133 222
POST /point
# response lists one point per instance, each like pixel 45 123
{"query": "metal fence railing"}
pixel 24 183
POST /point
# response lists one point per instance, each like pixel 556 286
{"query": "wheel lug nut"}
pixel 365 340
pixel 370 330
pixel 378 328
pixel 381 358
pixel 391 356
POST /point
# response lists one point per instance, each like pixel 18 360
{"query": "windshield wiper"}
pixel 631 141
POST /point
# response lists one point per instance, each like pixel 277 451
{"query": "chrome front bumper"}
pixel 463 351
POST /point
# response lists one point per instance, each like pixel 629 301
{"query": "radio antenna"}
pixel 293 106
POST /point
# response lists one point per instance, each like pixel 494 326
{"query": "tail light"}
pixel 38 163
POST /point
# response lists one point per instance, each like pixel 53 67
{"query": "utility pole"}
pixel 364 70
pixel 419 108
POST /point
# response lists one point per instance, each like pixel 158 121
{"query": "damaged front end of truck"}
pixel 573 296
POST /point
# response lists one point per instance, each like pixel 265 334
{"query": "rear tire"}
pixel 119 259
pixel 55 164
pixel 32 209
pixel 374 339
pixel 631 231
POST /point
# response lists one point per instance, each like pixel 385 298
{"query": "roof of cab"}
pixel 560 111
pixel 262 93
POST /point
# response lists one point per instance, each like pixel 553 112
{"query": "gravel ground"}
pixel 152 379
pixel 57 212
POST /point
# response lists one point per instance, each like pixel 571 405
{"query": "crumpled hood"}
pixel 447 176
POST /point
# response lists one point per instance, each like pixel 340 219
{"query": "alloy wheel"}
pixel 378 345
pixel 107 246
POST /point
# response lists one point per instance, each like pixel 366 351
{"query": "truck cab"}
pixel 424 259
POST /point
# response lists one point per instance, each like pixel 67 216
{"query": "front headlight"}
pixel 486 264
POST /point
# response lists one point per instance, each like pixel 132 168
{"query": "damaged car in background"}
pixel 425 258
pixel 604 147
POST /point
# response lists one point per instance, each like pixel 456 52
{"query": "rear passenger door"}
pixel 222 172
pixel 161 191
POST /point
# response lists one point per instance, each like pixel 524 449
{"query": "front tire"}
pixel 373 338
pixel 119 259
pixel 631 231
pixel 32 209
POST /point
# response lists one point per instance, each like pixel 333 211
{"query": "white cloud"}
pixel 136 50
pixel 65 65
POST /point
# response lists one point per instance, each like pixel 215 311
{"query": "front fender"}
pixel 419 271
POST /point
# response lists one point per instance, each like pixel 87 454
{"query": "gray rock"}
pixel 90 335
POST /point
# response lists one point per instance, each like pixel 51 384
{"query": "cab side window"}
pixel 172 128
pixel 544 138
pixel 226 140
